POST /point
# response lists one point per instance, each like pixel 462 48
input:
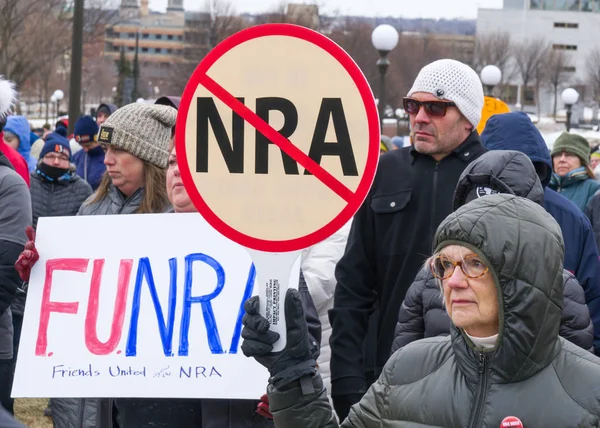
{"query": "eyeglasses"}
pixel 565 154
pixel 432 108
pixel 52 157
pixel 443 267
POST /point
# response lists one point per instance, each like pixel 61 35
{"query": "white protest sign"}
pixel 278 141
pixel 137 306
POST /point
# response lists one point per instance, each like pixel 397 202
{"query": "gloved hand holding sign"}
pixel 296 359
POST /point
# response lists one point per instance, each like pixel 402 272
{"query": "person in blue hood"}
pixel 515 131
pixel 89 162
pixel 16 134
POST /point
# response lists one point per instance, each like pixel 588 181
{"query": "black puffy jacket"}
pixel 422 313
pixel 57 198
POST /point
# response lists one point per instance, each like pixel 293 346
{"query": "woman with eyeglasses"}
pixel 498 263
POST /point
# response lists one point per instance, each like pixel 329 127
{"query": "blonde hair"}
pixel 155 198
pixel 589 171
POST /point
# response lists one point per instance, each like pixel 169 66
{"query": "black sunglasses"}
pixel 432 108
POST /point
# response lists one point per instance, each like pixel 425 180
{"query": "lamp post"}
pixel 58 96
pixel 384 38
pixel 490 77
pixel 54 103
pixel 569 97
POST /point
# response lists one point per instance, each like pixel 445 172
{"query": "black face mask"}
pixel 52 171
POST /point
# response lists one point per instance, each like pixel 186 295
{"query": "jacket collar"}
pixel 121 200
pixel 468 150
pixel 572 177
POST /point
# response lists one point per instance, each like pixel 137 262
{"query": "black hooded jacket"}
pixel 423 314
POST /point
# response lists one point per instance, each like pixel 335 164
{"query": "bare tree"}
pixel 204 30
pixel 529 61
pixel 306 15
pixel 592 65
pixel 26 32
pixel 224 21
pixel 495 49
pixel 557 64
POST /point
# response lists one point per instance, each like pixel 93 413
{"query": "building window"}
pixel 566 25
pixel 131 49
pixel 170 37
pixel 157 50
pixel 145 50
pixel 159 37
pixel 568 69
pixel 169 51
pixel 131 35
pixel 510 94
pixel 589 6
pixel 529 95
pixel 564 47
pixel 145 35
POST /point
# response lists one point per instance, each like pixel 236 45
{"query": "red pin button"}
pixel 511 422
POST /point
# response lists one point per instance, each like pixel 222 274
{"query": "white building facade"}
pixel 569 25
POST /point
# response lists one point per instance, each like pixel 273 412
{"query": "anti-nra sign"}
pixel 277 137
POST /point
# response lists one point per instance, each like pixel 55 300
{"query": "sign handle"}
pixel 275 273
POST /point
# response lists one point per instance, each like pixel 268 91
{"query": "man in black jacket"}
pixel 392 232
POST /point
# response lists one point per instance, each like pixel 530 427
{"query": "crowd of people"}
pixel 466 289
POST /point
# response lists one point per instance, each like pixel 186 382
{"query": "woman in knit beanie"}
pixel 572 176
pixel 135 139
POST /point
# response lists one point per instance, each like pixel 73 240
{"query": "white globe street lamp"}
pixel 58 96
pixel 490 77
pixel 384 39
pixel 569 97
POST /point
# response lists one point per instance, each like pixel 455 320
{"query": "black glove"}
pixel 342 404
pixel 296 359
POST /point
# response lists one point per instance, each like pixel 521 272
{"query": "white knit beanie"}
pixel 451 80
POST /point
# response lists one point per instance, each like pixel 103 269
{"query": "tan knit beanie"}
pixel 144 130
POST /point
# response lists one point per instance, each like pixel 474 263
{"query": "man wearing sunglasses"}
pixel 392 232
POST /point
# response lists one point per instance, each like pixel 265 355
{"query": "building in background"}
pixel 571 26
pixel 161 42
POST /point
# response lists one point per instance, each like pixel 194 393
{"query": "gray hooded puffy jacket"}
pixel 423 314
pixel 532 373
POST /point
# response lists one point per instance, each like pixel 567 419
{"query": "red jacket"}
pixel 15 159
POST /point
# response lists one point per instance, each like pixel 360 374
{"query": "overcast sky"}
pixel 405 8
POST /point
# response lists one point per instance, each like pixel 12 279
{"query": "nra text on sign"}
pixel 279 137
